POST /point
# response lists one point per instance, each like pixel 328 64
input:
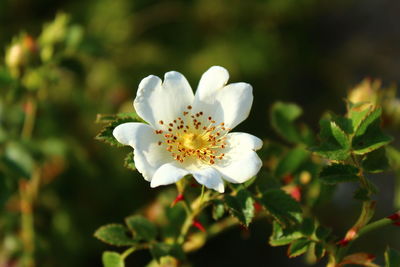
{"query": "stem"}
pixel 28 192
pixel 127 252
pixel 366 214
pixel 373 226
pixel 30 117
pixel 192 211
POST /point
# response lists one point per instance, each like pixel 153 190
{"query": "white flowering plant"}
pixel 224 178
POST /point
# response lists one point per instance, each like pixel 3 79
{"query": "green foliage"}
pixel 159 250
pixel 298 247
pixel 283 116
pixel 142 228
pixel 282 206
pixel 218 209
pixel 114 234
pixel 338 173
pixel 392 258
pixel 106 135
pixel 283 236
pixel 369 136
pixel 291 162
pixel 334 142
pixel 129 162
pixel 112 259
pixel 241 206
pixel 376 161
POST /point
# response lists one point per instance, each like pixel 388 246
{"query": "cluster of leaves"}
pixel 294 179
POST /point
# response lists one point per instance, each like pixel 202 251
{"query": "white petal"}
pixel 235 100
pixel 167 174
pixel 165 101
pixel 148 155
pixel 241 168
pixel 240 162
pixel 210 178
pixel 213 79
pixel 230 104
pixel 244 141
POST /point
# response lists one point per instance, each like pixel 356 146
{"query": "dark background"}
pixel 307 51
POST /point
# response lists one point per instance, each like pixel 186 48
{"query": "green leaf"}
pixel 357 115
pixel 338 173
pixel 282 206
pixel 291 162
pixel 241 206
pixel 369 135
pixel 392 258
pixel 129 162
pixel 376 161
pixel 283 236
pixel 307 227
pixel 334 143
pixel 319 250
pixel 322 232
pixel 159 250
pixel 340 136
pixel 298 247
pixel 114 234
pixel 283 116
pixel 141 227
pixel 106 135
pixel 218 209
pixel 112 259
pixel 18 160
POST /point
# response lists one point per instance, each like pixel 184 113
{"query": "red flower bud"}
pixel 397 223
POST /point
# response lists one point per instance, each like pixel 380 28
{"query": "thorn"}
pixel 343 242
pixel 178 198
pixel 199 226
pixel 394 216
pixel 257 207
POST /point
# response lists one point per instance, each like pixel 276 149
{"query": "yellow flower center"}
pixel 187 138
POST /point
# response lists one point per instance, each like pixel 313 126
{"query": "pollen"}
pixel 188 141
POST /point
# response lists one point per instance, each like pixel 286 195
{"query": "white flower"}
pixel 189 134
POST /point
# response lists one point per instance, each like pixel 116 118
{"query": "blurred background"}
pixel 306 51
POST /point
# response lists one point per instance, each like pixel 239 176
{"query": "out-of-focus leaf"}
pixel 241 206
pixel 159 250
pixel 319 250
pixel 298 247
pixel 376 161
pixel 283 236
pixel 114 234
pixel 218 209
pixel 283 116
pixel 322 232
pixel 17 159
pixel 142 228
pixel 338 173
pixel 307 227
pixel 112 259
pixel 129 162
pixel 291 162
pixel 282 206
pixel 392 258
